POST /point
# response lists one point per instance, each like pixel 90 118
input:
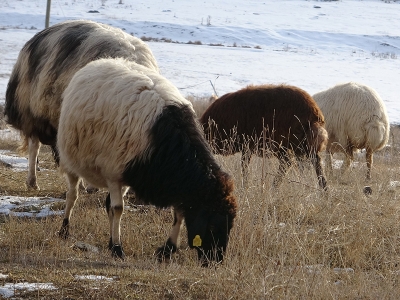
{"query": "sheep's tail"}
pixel 377 133
pixel 317 138
pixel 23 147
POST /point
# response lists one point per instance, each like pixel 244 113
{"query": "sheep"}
pixel 356 118
pixel 124 125
pixel 278 118
pixel 44 68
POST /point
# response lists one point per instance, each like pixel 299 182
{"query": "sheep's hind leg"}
pixel 115 208
pixel 33 149
pixel 90 189
pixel 172 243
pixel 71 197
pixel 348 158
pixel 329 161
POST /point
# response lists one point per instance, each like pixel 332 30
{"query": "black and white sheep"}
pixel 44 68
pixel 355 118
pixel 124 125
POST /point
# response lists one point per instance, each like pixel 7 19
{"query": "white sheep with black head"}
pixel 355 118
pixel 124 125
pixel 45 66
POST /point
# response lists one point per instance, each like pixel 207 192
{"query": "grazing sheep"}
pixel 44 68
pixel 279 118
pixel 122 124
pixel 355 119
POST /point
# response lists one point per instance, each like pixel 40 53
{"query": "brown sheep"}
pixel 278 118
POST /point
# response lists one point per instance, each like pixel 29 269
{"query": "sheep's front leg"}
pixel 316 161
pixel 369 157
pixel 72 195
pixel 33 148
pixel 115 208
pixel 172 243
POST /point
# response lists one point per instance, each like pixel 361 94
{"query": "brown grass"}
pixel 291 243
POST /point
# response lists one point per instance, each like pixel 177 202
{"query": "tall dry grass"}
pixel 292 243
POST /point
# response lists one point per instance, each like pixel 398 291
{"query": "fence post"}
pixel 47 13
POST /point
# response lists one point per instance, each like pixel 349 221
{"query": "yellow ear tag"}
pixel 197 241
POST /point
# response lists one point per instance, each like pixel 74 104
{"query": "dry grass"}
pixel 293 243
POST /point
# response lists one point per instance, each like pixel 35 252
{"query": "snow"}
pixel 16 162
pixel 9 134
pixel 311 44
pixel 38 207
pixel 93 277
pixel 8 289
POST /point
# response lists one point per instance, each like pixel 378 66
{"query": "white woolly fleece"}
pixel 107 113
pixel 354 115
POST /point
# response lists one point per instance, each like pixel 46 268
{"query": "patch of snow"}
pixel 17 162
pixel 393 185
pixel 314 269
pixel 8 290
pixel 9 134
pixel 343 270
pixel 37 207
pixel 94 277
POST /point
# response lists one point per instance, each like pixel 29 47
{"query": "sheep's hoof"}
pixel 367 190
pixel 32 185
pixel 165 252
pixel 117 251
pixel 64 231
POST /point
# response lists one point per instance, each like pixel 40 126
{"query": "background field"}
pixel 231 43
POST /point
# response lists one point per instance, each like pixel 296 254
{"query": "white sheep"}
pixel 355 118
pixel 124 125
pixel 44 68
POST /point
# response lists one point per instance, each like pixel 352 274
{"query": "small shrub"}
pixel 384 55
pixel 166 40
pixel 194 43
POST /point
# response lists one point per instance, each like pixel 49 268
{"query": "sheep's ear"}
pixel 197 227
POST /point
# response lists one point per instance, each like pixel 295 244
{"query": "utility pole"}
pixel 48 13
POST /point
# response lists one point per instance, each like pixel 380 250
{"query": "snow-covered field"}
pixel 311 44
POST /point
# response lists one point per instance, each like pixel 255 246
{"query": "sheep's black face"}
pixel 208 232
